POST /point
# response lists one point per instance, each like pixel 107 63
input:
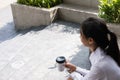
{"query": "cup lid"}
pixel 60 59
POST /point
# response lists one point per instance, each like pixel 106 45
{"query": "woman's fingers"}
pixel 71 67
pixel 67 64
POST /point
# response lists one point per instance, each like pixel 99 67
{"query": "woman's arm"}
pixel 94 74
pixel 82 71
pixel 73 68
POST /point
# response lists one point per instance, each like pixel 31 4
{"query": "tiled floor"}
pixel 30 54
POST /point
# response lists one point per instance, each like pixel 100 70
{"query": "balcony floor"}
pixel 30 54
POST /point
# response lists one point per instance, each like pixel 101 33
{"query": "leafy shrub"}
pixel 40 3
pixel 110 10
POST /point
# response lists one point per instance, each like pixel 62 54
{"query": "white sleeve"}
pixel 82 71
pixel 94 74
pixel 76 76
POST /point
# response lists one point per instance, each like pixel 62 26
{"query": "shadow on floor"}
pixel 81 58
pixel 8 31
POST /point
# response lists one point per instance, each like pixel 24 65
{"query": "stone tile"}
pixel 35 51
pixel 30 54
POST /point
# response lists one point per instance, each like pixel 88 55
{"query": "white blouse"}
pixel 103 68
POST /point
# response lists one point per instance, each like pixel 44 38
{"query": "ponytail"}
pixel 113 49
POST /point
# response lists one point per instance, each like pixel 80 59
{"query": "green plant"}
pixel 40 3
pixel 110 10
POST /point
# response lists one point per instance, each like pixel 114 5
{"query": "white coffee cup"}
pixel 61 61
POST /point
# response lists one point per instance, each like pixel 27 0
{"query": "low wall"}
pixel 114 28
pixel 28 16
pixel 87 3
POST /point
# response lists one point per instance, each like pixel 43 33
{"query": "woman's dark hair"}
pixel 104 38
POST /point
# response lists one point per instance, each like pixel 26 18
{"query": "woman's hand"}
pixel 71 67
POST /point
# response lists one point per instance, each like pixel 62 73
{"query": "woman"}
pixel 104 56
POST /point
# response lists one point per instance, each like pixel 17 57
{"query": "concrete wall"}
pixel 74 16
pixel 27 16
pixel 114 28
pixel 87 3
pixel 75 13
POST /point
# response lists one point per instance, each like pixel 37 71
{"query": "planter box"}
pixel 114 28
pixel 27 16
